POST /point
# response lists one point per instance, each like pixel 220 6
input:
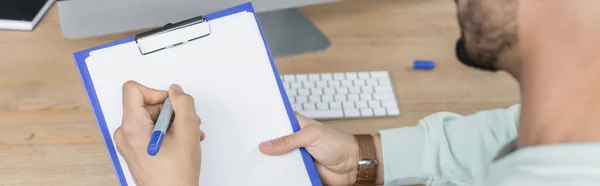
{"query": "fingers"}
pixel 286 144
pixel 136 95
pixel 186 119
pixel 202 135
pixel 153 111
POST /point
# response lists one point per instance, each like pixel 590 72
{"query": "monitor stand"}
pixel 288 32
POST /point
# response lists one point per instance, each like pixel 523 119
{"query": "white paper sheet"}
pixel 236 94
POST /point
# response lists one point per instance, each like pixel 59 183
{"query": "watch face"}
pixel 367 162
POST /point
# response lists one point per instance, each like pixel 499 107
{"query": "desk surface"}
pixel 48 134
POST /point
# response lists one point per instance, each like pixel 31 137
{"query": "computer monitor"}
pixel 88 18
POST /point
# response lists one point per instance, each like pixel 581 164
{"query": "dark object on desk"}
pixel 22 14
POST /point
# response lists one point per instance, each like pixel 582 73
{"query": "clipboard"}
pixel 80 60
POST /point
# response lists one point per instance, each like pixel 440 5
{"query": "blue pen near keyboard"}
pixel 160 128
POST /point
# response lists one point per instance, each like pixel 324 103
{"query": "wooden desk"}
pixel 48 134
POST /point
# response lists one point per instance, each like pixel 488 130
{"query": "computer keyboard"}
pixel 342 95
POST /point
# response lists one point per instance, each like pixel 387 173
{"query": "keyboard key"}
pixel 389 103
pixel 291 92
pixel 303 92
pixel 301 77
pixel 354 90
pixel 393 111
pixel 359 82
pixel 289 78
pixel 348 105
pixel 321 84
pixel 323 114
pixel 366 112
pixel 364 75
pixel 286 85
pixel 322 106
pixel 368 89
pixel 326 77
pixel 361 104
pixel 297 107
pixel 329 91
pixel 366 97
pixel 380 74
pixel 385 81
pixel 292 100
pixel 374 104
pixel 314 77
pixel 314 99
pixel 340 97
pixel 296 85
pixel 335 106
pixel 334 83
pixel 351 75
pixel 372 82
pixel 309 84
pixel 351 113
pixel 316 91
pixel 342 90
pixel 339 76
pixel 327 98
pixel 384 89
pixel 379 112
pixel 353 97
pixel 347 83
pixel 383 96
pixel 309 106
pixel 301 99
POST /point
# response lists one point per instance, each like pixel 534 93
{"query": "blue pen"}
pixel 160 127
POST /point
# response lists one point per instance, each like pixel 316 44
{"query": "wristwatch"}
pixel 367 163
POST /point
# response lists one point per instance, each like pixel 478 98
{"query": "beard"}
pixel 479 61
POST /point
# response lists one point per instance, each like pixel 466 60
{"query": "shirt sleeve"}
pixel 547 165
pixel 447 149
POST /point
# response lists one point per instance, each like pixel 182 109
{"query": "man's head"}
pixel 488 33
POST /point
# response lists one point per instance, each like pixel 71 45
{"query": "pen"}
pixel 160 127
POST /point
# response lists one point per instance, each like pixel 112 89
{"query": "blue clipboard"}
pixel 93 98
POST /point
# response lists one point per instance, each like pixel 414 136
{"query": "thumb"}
pixel 304 121
pixel 287 144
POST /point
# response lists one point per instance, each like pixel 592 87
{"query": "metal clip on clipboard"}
pixel 172 34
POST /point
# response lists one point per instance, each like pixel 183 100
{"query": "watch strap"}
pixel 367 165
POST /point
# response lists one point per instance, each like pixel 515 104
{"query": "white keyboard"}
pixel 342 95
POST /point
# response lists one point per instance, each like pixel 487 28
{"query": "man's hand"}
pixel 336 153
pixel 178 162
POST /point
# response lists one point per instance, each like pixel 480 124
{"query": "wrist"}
pixel 376 154
pixel 354 160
